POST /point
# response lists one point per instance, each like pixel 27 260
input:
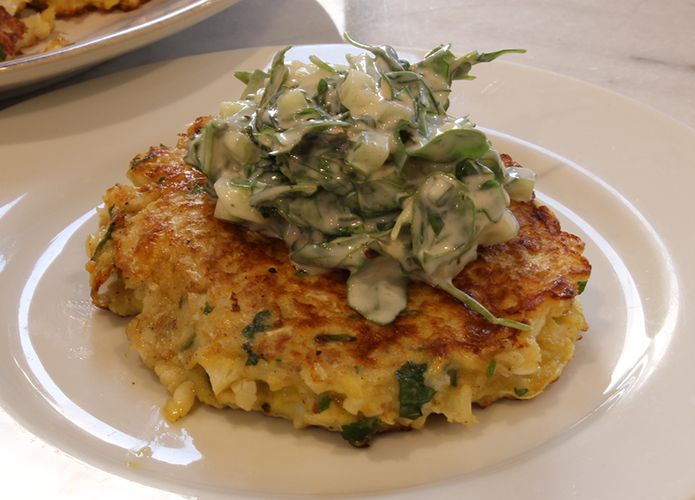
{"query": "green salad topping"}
pixel 358 166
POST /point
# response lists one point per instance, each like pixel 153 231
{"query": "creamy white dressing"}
pixel 359 167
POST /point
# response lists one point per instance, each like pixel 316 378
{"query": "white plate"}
pixel 97 36
pixel 617 424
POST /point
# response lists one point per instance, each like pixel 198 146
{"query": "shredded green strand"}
pixel 359 167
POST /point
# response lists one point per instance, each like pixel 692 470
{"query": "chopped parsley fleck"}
pixel 491 368
pixel 260 323
pixel 107 237
pixel 580 287
pixel 323 402
pixel 360 433
pixel 520 391
pixel 413 393
pixel 207 309
pixel 252 359
pixel 188 344
pixel 453 377
pixel 324 338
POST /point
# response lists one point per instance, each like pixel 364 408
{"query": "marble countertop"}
pixel 642 50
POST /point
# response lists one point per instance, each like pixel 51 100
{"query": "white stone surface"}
pixel 640 49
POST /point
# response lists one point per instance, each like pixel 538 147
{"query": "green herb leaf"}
pixel 449 287
pixel 461 67
pixel 413 393
pixel 491 368
pixel 207 309
pixel 360 433
pixel 321 64
pixel 325 338
pixel 253 358
pixel 452 145
pixel 243 76
pixel 3 54
pixel 321 90
pixel 260 323
pixel 436 222
pixel 384 53
pixel 107 235
pixel 453 377
pixel 256 81
pixel 278 75
pixel 323 402
pixel 580 287
pixel 188 344
pixel 520 392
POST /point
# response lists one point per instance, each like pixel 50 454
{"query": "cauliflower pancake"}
pixel 222 315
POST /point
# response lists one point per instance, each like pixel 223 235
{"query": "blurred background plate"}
pixel 98 36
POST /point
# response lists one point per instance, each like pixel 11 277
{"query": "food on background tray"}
pixel 23 24
pixel 417 274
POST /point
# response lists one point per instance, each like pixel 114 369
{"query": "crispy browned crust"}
pixel 164 237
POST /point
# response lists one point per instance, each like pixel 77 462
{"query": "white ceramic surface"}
pixel 617 424
pixel 97 36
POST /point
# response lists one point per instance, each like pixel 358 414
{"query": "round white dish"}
pixel 618 422
pixel 97 36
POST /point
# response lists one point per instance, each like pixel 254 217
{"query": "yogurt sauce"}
pixel 359 167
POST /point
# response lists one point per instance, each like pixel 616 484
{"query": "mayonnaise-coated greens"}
pixel 359 167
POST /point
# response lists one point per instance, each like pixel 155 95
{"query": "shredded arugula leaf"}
pixel 337 161
pixel 107 236
pixel 243 76
pixel 324 66
pixel 580 287
pixel 491 368
pixel 207 309
pixel 520 391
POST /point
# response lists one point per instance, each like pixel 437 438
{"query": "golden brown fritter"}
pixel 223 315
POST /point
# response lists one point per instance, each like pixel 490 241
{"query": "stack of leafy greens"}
pixel 359 167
